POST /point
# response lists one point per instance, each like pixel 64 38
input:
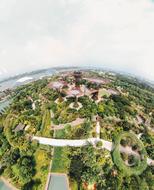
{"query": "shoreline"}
pixel 8 183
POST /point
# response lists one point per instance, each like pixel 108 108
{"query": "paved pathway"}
pixel 74 143
pixel 82 142
pixel 74 123
pixel 150 161
pixel 79 143
pixel 98 129
pixel 129 151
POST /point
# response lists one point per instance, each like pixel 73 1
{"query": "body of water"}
pixel 3 186
pixel 58 182
pixel 4 104
pixel 12 83
pixel 17 81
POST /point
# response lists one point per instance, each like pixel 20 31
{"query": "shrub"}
pixel 140 164
pixel 99 144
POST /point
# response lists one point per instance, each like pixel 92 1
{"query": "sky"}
pixel 113 34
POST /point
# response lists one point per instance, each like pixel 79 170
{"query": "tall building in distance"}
pixel 77 77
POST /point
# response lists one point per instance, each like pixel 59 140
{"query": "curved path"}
pixel 74 143
pixel 78 143
pixel 82 142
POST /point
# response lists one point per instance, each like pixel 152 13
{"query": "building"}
pixel 57 85
pixel 77 77
pixel 19 127
pixel 94 94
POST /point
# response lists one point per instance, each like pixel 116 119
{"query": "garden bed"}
pixel 139 166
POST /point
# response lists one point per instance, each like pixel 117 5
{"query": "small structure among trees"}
pixel 77 76
pixel 57 85
pixel 94 94
pixel 19 127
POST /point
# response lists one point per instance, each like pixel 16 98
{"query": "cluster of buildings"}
pixel 72 84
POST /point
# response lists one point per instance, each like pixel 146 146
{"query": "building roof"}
pixel 19 127
pixel 57 84
pixel 97 80
pixel 74 91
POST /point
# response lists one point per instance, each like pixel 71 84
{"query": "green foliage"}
pixel 24 169
pixel 88 165
pixel 106 108
pixel 148 143
pixel 89 107
pixel 140 166
pixel 26 163
pixel 46 123
pixel 99 144
pixel 122 105
pixel 10 157
pixel 60 163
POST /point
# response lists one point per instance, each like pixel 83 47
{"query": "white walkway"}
pixel 74 143
pixel 78 143
pixel 150 161
pixel 98 129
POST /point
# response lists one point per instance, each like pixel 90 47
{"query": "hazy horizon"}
pixel 115 35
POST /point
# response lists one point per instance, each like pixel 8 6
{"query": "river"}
pixel 17 81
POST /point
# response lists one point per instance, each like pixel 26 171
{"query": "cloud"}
pixel 115 34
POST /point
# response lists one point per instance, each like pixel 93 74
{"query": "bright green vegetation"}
pixel 139 162
pixel 90 166
pixel 125 105
pixel 46 123
pixel 79 132
pixel 60 162
pixel 60 134
pixel 148 144
pixel 42 161
pixel 24 162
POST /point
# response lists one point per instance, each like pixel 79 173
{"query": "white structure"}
pixel 98 130
pixel 74 143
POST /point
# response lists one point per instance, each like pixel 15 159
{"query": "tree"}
pixel 25 168
pixel 99 144
pixel 10 157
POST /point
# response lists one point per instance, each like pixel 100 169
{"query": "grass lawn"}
pixel 103 92
pixel 60 134
pixel 42 158
pixel 46 124
pixel 117 159
pixel 60 162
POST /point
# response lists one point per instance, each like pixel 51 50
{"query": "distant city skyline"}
pixel 112 34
